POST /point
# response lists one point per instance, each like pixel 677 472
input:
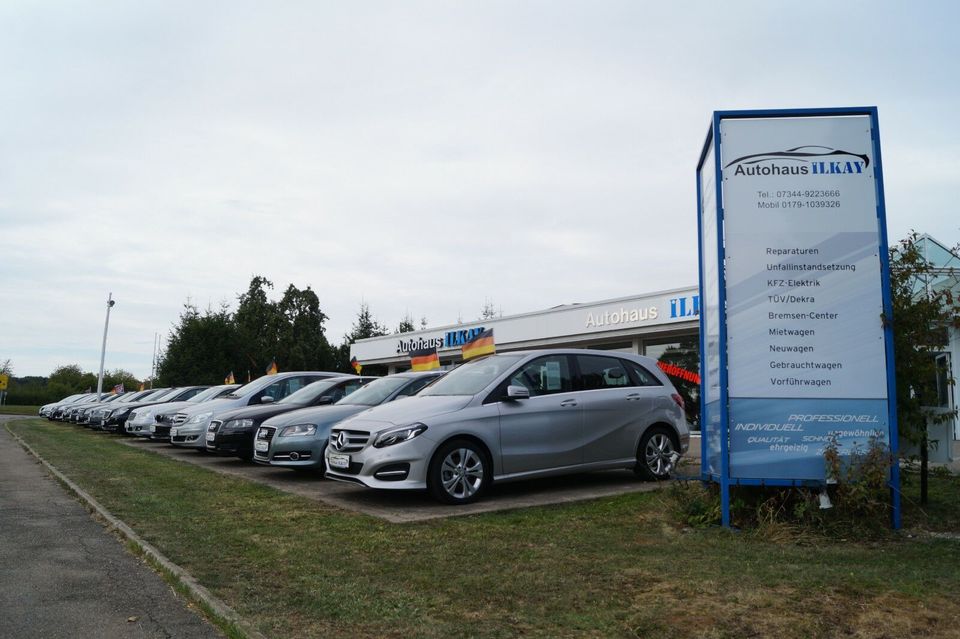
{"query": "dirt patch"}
pixel 708 610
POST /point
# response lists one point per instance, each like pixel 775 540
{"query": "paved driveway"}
pixel 410 506
pixel 63 575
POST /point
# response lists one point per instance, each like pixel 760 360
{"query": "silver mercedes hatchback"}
pixel 517 416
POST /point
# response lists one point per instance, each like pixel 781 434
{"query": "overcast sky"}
pixel 420 156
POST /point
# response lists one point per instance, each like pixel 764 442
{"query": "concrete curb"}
pixel 193 587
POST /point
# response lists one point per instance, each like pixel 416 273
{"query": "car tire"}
pixel 655 453
pixel 459 473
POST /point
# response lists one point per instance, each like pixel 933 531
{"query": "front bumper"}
pixel 232 442
pixel 399 467
pixel 293 452
pixel 138 428
pixel 160 432
pixel 188 437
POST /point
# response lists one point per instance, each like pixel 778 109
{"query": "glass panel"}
pixel 544 376
pixel 643 376
pixel 943 380
pixel 602 372
pixel 684 353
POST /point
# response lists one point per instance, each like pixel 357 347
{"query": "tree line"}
pixel 204 347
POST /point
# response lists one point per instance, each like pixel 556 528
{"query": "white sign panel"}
pixel 804 300
pixel 806 351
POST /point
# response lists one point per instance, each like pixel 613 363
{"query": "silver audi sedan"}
pixel 516 416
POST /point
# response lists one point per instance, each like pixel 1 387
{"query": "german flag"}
pixel 272 368
pixel 356 365
pixel 482 344
pixel 425 359
pixel 229 379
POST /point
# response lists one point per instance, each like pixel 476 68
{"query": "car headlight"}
pixel 199 419
pixel 302 430
pixel 399 435
pixel 238 424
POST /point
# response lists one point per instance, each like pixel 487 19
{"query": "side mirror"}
pixel 326 399
pixel 266 399
pixel 518 392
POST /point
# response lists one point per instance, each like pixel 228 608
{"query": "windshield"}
pixel 472 377
pixel 136 397
pixel 375 392
pixel 204 395
pixel 249 387
pixel 163 395
pixel 309 393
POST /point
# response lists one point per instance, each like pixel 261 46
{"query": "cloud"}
pixel 421 157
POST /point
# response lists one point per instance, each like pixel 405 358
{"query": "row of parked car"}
pixel 504 417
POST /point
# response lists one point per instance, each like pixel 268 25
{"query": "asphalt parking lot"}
pixel 411 506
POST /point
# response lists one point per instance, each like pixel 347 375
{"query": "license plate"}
pixel 335 460
pixel 173 432
pixel 153 428
pixel 211 437
pixel 261 446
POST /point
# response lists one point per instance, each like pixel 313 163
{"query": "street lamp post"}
pixel 103 349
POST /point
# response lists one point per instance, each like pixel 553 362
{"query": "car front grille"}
pixel 214 426
pixel 179 418
pixel 264 434
pixel 355 440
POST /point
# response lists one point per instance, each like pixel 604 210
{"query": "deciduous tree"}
pixel 925 308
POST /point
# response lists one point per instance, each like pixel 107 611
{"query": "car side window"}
pixel 275 390
pixel 336 394
pixel 294 384
pixel 415 387
pixel 349 387
pixel 544 376
pixel 642 377
pixel 598 372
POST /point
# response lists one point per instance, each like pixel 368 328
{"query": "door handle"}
pixel 633 396
pixel 568 402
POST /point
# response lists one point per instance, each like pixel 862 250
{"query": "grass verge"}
pixel 614 567
pixel 8 409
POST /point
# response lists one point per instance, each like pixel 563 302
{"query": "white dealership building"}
pixel 645 324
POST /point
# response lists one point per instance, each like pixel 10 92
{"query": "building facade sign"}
pixel 570 321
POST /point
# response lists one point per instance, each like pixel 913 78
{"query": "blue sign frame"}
pixel 723 477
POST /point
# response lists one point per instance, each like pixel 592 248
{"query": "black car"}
pixel 231 433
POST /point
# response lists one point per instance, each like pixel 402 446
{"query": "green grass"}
pixel 18 410
pixel 613 567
